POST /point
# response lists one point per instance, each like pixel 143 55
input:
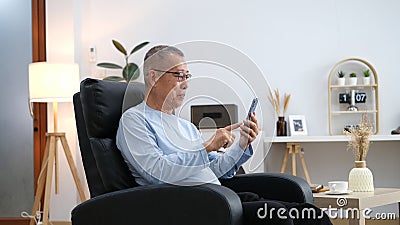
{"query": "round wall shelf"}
pixel 349 101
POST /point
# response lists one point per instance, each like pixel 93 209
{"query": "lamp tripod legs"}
pixel 45 179
pixel 41 181
pixel 72 167
pixel 49 177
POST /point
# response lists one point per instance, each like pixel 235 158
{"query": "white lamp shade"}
pixel 50 82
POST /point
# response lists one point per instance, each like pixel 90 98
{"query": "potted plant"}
pixel 367 78
pixel 341 78
pixel 353 79
pixel 130 71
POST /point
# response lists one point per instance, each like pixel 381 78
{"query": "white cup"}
pixel 338 186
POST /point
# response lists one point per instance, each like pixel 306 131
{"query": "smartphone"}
pixel 253 107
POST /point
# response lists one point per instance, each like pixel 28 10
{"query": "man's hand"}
pixel 223 137
pixel 248 132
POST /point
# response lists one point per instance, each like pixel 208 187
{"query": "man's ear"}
pixel 152 78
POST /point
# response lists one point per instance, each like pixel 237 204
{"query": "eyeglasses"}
pixel 178 74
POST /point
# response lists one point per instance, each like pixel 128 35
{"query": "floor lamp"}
pixel 53 83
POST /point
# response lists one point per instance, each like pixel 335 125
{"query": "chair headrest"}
pixel 103 103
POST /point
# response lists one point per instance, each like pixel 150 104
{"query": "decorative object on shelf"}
pixel 352 106
pixel 360 177
pixel 131 70
pixel 281 126
pixel 397 131
pixel 297 125
pixel 347 102
pixel 274 98
pixel 341 79
pixel 367 77
pixel 353 79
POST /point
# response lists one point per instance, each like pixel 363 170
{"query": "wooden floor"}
pixel 25 221
pixel 14 221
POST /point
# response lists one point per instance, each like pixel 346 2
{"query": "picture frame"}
pixel 297 125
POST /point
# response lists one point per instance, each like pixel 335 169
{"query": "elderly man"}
pixel 160 147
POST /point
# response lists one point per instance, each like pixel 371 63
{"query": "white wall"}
pixel 293 43
pixel 60 48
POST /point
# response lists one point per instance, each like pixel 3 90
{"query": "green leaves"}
pixel 109 65
pixel 353 75
pixel 131 70
pixel 113 78
pixel 119 47
pixel 138 47
pixel 366 73
pixel 341 74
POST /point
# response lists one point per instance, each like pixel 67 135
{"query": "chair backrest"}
pixel 98 107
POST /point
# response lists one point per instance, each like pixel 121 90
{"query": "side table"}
pixel 358 201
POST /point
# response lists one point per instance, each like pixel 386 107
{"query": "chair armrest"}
pixel 162 204
pixel 273 186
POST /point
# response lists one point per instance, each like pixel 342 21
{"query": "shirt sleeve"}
pixel 138 143
pixel 225 165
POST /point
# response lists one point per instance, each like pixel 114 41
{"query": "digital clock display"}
pixel 346 98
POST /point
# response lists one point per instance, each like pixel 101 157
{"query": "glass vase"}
pixel 281 127
pixel 361 178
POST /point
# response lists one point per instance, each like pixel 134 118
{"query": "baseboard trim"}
pixel 26 221
pixel 61 222
pixel 14 221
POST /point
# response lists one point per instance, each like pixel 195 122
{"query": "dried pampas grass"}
pixel 359 142
pixel 275 99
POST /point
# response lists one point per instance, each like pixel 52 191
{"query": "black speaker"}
pixel 213 116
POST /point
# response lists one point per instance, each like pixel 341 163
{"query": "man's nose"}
pixel 184 84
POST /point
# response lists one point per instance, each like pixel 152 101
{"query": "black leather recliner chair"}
pixel 116 198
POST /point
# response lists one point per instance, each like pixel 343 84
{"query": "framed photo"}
pixel 297 125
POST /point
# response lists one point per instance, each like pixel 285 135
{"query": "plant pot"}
pixel 281 127
pixel 366 80
pixel 361 178
pixel 341 81
pixel 353 81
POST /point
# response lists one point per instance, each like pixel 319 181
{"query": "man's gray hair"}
pixel 156 55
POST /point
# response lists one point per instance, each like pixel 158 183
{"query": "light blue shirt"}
pixel 162 148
